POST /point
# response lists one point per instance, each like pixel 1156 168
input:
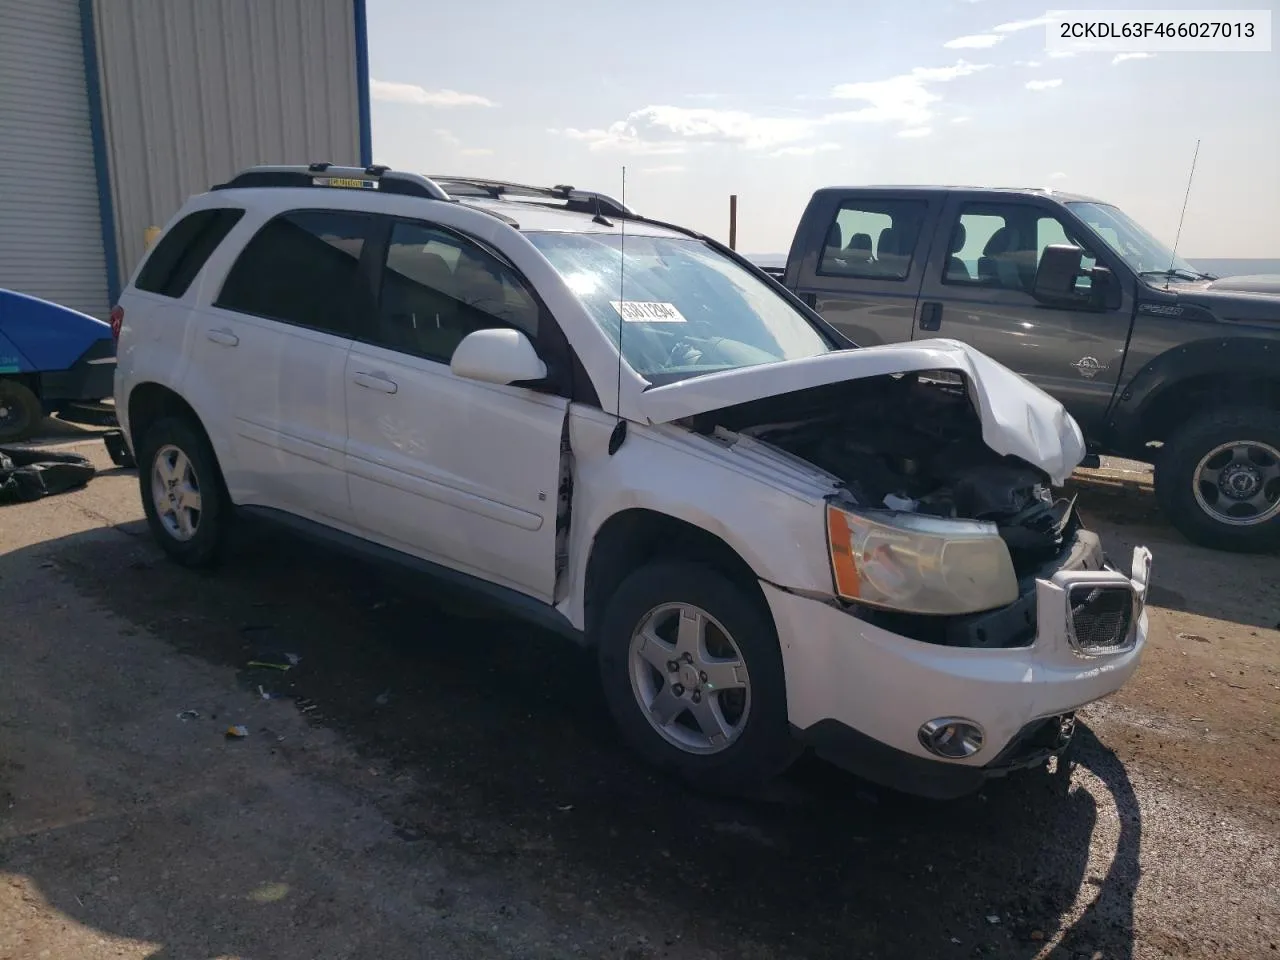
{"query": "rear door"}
pixel 463 473
pixel 863 261
pixel 977 289
pixel 270 355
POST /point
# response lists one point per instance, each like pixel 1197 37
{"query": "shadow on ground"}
pixel 518 772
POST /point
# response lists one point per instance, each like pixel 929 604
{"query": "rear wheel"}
pixel 183 495
pixel 1218 479
pixel 693 675
pixel 20 411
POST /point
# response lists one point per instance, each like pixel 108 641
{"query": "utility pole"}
pixel 733 221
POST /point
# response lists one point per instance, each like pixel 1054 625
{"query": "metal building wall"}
pixel 195 90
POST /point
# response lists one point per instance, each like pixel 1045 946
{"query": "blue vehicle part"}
pixel 61 354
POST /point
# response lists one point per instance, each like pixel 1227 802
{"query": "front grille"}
pixel 1100 617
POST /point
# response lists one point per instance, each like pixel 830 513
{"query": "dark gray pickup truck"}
pixel 1155 360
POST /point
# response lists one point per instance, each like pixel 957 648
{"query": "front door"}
pixel 977 289
pixel 462 473
pixel 863 271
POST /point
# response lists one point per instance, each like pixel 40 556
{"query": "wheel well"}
pixel 633 538
pixel 149 402
pixel 29 380
pixel 1185 399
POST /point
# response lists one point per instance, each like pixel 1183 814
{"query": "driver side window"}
pixel 1049 231
pixel 438 287
pixel 999 246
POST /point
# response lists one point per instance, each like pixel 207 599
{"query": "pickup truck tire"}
pixel 183 494
pixel 683 649
pixel 1217 479
pixel 20 411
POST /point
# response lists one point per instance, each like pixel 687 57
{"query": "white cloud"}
pixel 807 150
pixel 1122 57
pixel 1057 175
pixel 665 168
pixel 914 132
pixel 905 98
pixel 974 41
pixel 1061 54
pixel 1026 63
pixel 1043 84
pixel 663 129
pixel 448 137
pixel 412 93
pixel 1016 26
pixel 961 119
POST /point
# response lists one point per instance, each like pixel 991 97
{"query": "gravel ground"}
pixel 426 781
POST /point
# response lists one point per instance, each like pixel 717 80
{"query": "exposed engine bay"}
pixel 910 442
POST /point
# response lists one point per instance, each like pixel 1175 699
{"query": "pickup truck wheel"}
pixel 693 676
pixel 1218 480
pixel 20 411
pixel 183 495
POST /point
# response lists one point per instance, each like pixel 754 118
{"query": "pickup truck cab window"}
pixel 688 310
pixel 999 246
pixel 873 239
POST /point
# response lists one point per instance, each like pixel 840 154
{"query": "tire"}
pixel 1203 511
pixel 191 538
pixel 760 745
pixel 20 411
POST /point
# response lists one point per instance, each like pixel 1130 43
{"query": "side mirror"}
pixel 500 355
pixel 1055 282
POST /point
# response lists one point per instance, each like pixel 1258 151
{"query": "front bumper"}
pixel 859 694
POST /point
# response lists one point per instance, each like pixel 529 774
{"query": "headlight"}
pixel 919 564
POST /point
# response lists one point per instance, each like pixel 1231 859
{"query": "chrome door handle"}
pixel 224 337
pixel 375 382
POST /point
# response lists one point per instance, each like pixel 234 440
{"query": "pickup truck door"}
pixel 860 258
pixel 977 289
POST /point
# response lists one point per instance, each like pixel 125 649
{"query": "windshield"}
pixel 688 310
pixel 1129 241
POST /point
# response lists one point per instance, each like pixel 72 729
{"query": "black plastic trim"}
pixel 91 377
pixel 517 604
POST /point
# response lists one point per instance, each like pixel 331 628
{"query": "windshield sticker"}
pixel 636 311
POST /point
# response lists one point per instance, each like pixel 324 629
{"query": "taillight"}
pixel 117 321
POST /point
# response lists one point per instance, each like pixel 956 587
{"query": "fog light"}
pixel 952 737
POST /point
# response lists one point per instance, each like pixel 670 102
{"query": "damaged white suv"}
pixel 625 431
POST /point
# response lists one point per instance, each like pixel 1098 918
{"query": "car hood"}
pixel 1018 419
pixel 1261 284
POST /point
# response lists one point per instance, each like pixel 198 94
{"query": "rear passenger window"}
pixel 873 239
pixel 303 268
pixel 438 287
pixel 181 252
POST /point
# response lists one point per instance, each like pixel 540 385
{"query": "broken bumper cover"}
pixel 859 695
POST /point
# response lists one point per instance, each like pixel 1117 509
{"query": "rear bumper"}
pixel 91 377
pixel 860 694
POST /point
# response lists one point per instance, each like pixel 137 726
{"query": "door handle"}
pixel 223 337
pixel 375 382
pixel 930 315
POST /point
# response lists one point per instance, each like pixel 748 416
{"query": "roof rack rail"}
pixel 580 201
pixel 325 174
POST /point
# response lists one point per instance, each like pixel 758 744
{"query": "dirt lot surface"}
pixel 424 781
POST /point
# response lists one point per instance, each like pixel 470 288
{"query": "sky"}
pixel 700 99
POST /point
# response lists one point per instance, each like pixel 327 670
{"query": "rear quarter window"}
pixel 184 249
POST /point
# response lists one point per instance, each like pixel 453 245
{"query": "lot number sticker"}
pixel 637 311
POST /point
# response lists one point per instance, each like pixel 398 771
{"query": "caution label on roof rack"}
pixel 345 182
pixel 639 311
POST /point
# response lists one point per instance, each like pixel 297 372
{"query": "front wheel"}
pixel 693 675
pixel 1218 480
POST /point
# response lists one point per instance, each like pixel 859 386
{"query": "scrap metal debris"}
pixel 237 733
pixel 28 473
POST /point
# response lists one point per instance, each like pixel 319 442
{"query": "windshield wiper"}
pixel 1177 274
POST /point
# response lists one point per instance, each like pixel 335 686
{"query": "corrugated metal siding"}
pixel 195 91
pixel 50 231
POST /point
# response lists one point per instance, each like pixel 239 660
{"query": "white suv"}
pixel 626 432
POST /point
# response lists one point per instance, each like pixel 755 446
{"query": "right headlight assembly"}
pixel 917 563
